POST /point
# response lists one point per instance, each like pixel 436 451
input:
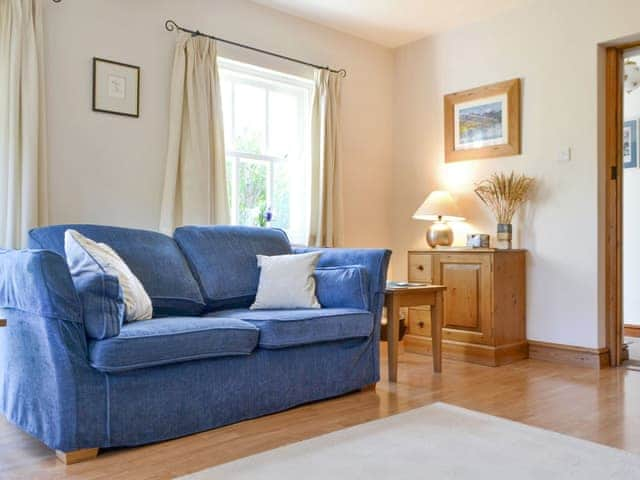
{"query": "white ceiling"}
pixel 392 22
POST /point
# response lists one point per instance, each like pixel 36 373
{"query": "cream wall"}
pixel 553 47
pixel 109 169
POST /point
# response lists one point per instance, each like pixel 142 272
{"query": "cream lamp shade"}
pixel 439 205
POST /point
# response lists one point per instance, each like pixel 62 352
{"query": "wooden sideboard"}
pixel 484 304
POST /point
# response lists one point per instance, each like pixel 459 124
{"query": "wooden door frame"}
pixel 613 188
pixel 613 203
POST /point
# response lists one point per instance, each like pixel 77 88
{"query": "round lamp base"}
pixel 439 235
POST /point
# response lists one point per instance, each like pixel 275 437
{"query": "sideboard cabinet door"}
pixel 467 300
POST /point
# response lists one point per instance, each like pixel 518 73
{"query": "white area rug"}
pixel 439 441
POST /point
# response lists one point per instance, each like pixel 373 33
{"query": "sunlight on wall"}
pixel 458 176
pixel 461 230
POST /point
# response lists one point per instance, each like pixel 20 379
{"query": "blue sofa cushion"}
pixel 342 287
pixel 171 340
pixel 223 259
pixel 288 328
pixel 103 307
pixel 153 257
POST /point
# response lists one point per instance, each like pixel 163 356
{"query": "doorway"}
pixel 622 204
pixel 630 177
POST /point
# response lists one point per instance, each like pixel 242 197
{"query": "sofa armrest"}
pixel 376 263
pixel 47 386
pixel 38 282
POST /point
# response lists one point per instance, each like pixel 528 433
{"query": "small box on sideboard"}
pixel 484 304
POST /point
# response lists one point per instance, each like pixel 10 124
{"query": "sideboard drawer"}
pixel 420 268
pixel 420 321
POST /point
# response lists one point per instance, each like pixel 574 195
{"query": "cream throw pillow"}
pixel 286 281
pixel 137 302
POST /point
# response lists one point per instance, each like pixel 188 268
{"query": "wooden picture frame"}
pixel 116 88
pixel 483 122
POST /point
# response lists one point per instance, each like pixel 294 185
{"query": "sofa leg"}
pixel 77 456
pixel 369 388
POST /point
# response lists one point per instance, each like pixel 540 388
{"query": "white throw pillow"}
pixel 137 302
pixel 286 281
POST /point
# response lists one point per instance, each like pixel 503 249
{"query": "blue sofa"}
pixel 205 360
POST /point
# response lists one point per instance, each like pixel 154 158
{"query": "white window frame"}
pixel 272 81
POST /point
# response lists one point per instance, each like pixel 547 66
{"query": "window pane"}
pixel 250 121
pixel 253 177
pixel 281 195
pixel 268 120
pixel 283 124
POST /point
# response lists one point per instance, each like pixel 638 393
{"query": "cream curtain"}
pixel 23 159
pixel 195 186
pixel 326 226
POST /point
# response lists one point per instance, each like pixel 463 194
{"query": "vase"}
pixel 439 234
pixel 504 236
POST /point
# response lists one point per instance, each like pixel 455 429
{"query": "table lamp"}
pixel 440 208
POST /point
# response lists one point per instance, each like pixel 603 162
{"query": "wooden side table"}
pixel 3 322
pixel 400 297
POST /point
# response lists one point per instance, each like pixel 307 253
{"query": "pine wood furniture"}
pixel 397 298
pixel 484 304
pixel 77 456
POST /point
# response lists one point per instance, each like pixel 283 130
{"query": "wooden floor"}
pixel 600 406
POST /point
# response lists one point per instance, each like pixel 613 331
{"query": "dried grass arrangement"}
pixel 504 194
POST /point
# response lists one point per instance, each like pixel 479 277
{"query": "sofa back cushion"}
pixel 223 259
pixel 152 257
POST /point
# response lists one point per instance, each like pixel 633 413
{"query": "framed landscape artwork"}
pixel 630 144
pixel 483 122
pixel 116 88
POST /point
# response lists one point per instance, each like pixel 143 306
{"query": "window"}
pixel 267 137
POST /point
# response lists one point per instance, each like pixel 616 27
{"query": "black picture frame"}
pixel 630 144
pixel 120 64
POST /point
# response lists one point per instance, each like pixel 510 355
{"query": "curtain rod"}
pixel 170 25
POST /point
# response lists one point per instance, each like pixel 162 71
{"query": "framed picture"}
pixel 630 144
pixel 116 88
pixel 482 122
